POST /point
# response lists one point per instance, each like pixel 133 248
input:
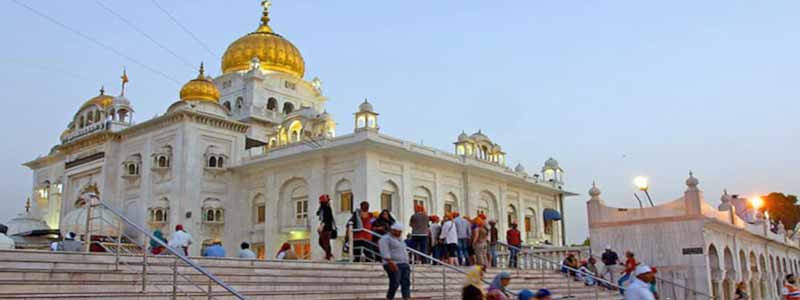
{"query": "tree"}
pixel 782 208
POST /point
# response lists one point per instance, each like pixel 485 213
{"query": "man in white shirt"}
pixel 246 253
pixel 6 243
pixel 181 240
pixel 639 289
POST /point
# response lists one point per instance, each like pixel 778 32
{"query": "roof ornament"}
pixel 28 205
pixel 124 78
pixel 265 4
pixel 202 71
pixel 102 90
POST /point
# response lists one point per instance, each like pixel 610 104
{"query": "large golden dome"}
pixel 200 88
pixel 274 52
pixel 101 100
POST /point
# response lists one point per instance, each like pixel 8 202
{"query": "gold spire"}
pixel 124 81
pixel 264 27
pixel 28 205
pixel 201 74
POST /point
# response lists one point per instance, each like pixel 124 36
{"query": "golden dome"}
pixel 200 88
pixel 274 52
pixel 101 100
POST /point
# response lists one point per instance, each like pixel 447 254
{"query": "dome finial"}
pixel 28 205
pixel 102 90
pixel 264 27
pixel 202 72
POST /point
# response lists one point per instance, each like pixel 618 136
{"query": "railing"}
pixel 413 255
pixel 529 259
pixel 124 250
pixel 674 290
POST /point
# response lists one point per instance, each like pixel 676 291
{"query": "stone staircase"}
pixel 46 275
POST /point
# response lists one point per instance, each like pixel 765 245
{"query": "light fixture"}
pixel 641 182
pixel 756 202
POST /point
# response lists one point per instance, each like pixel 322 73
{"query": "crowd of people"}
pixel 497 289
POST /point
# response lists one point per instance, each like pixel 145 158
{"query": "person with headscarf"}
pixel 69 244
pixel 419 230
pixel 327 225
pixel 434 233
pixel 514 239
pixel 362 239
pixel 543 294
pixel 480 242
pixel 155 247
pixel 382 223
pixel 473 289
pixel 286 253
pixel 497 290
pixel 181 240
pixel 449 238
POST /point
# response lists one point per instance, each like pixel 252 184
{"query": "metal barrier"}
pixel 527 259
pixel 435 263
pixel 179 259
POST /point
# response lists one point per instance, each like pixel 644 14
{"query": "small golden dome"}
pixel 274 52
pixel 200 88
pixel 101 100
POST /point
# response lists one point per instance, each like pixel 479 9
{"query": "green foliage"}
pixel 783 208
pixel 587 242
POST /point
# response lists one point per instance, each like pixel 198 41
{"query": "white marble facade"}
pixel 245 155
pixel 694 244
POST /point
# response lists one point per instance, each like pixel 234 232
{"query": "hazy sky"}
pixel 612 89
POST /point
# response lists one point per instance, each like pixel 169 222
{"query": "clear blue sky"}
pixel 612 89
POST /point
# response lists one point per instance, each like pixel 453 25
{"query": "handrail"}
pixel 562 265
pixel 168 248
pixel 443 264
pixel 676 284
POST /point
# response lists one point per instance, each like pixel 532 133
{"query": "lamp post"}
pixel 642 184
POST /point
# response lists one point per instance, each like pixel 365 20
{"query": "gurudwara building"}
pixel 243 156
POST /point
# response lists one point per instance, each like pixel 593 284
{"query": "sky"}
pixel 612 89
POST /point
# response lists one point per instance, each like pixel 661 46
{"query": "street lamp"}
pixel 642 184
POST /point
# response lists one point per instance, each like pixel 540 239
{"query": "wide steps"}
pixel 46 275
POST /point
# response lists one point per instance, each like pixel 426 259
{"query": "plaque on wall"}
pixel 693 251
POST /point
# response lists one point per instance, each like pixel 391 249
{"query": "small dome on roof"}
pixel 121 100
pixel 25 222
pixel 692 181
pixel 463 137
pixel 551 164
pixel 365 107
pixel 519 168
pixel 478 136
pixel 594 191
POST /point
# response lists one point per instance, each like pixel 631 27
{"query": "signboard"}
pixel 693 251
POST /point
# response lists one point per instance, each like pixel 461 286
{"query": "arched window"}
pixel 132 170
pixel 295 131
pixel 361 122
pixel 259 209
pixel 389 197
pixel 511 215
pixel 81 122
pixel 97 116
pixel 530 223
pixel 288 108
pixel 239 103
pixel 220 162
pixel 300 199
pixel 212 162
pixel 450 203
pixel 422 197
pixel 213 212
pixel 162 162
pixel 113 114
pixel 345 195
pixel 227 105
pixel 272 104
pixel 89 118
